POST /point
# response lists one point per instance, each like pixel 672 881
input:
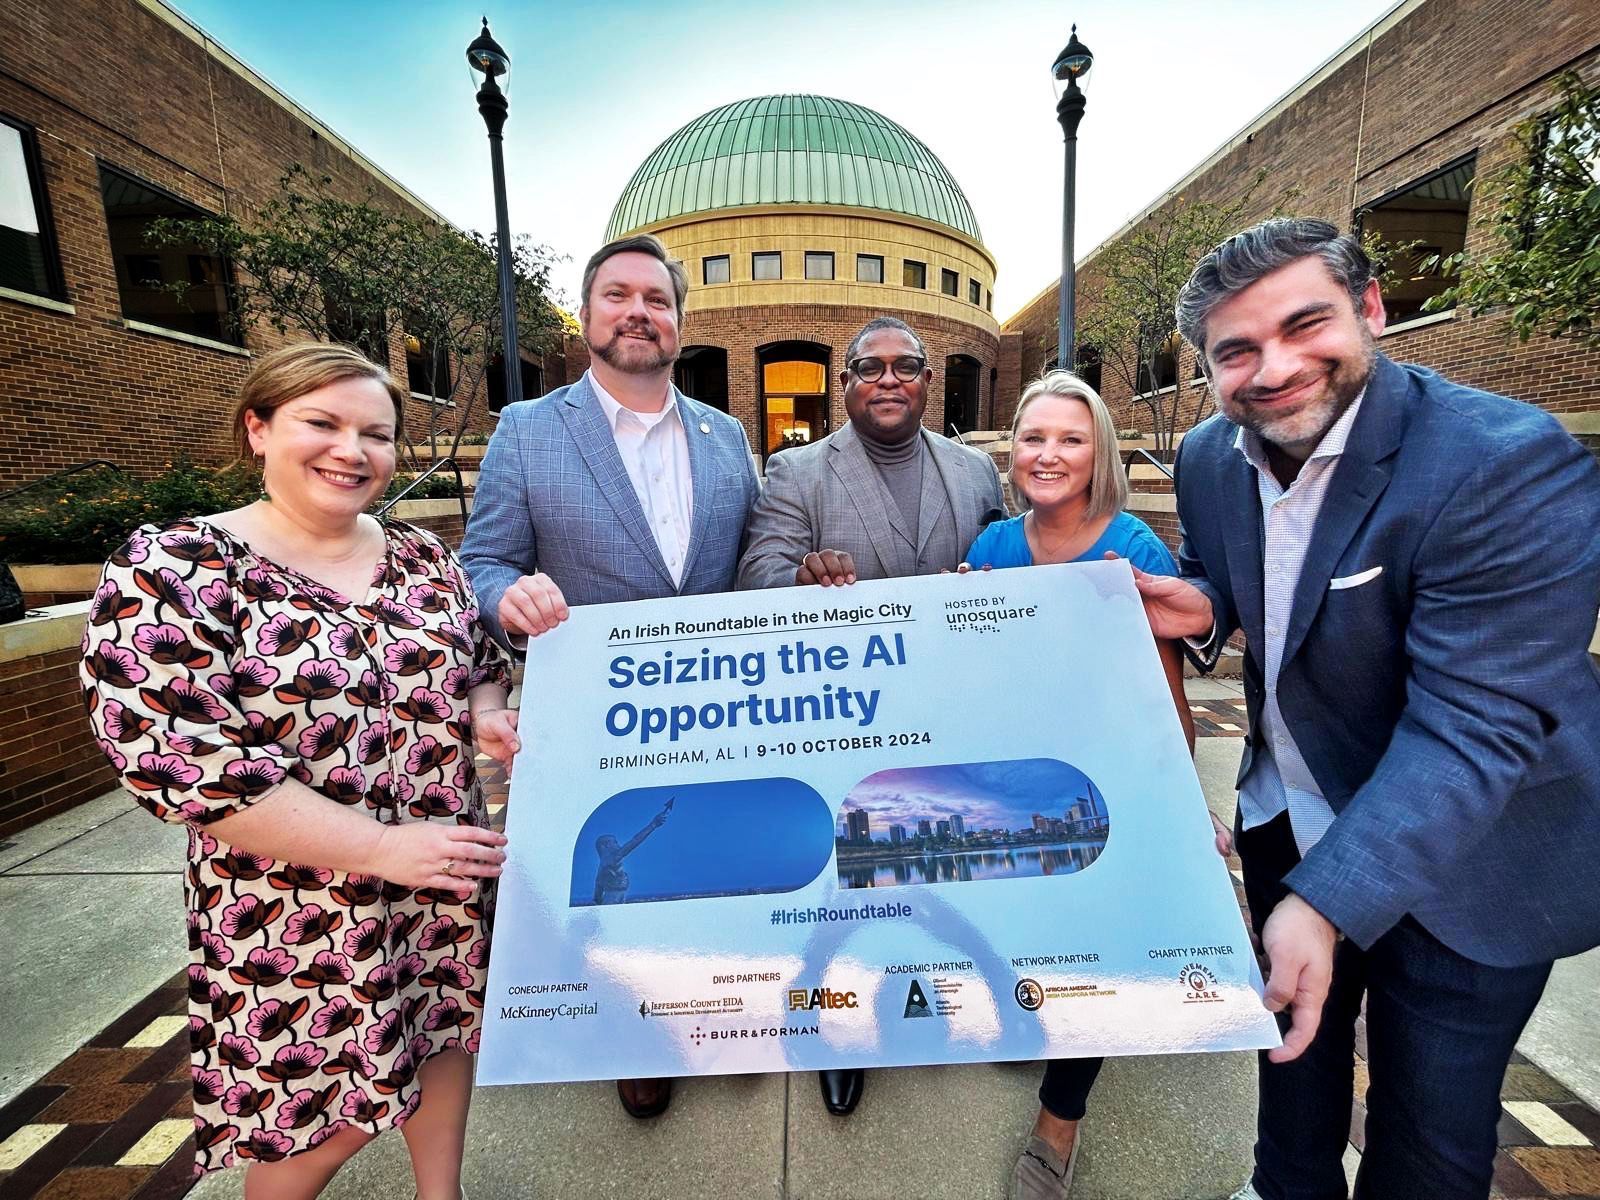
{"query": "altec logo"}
pixel 823 997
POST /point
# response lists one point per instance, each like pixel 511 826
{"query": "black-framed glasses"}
pixel 906 368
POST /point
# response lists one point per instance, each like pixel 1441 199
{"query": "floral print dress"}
pixel 212 674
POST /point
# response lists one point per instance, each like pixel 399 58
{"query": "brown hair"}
pixel 294 371
pixel 639 243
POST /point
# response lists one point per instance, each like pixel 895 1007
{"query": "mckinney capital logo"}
pixel 916 1002
pixel 800 999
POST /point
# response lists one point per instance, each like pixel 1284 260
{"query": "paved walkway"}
pixel 94 1097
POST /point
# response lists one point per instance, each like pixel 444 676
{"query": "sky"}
pixel 595 87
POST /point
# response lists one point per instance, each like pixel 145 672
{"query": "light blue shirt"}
pixel 1005 544
pixel 1279 778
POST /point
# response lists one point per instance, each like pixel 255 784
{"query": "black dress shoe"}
pixel 644 1098
pixel 841 1090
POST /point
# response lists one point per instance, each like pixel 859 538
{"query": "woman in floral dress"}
pixel 299 685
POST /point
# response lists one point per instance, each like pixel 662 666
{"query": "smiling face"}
pixel 330 451
pixel 630 316
pixel 887 410
pixel 1052 458
pixel 1288 354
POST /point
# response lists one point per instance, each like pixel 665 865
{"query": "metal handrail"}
pixel 72 470
pixel 461 486
pixel 1140 452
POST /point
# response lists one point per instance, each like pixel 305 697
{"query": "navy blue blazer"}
pixel 555 497
pixel 1447 706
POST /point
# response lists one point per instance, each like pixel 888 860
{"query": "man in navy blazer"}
pixel 617 487
pixel 1416 570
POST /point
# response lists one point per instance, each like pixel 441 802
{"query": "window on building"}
pixel 1423 219
pixel 766 264
pixel 869 268
pixel 427 362
pixel 367 332
pixel 949 282
pixel 178 286
pixel 28 261
pixel 913 274
pixel 1090 367
pixel 974 291
pixel 819 264
pixel 1166 369
pixel 988 300
pixel 714 269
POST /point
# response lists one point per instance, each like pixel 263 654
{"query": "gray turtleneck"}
pixel 900 468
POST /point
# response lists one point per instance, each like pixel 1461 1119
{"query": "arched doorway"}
pixel 702 372
pixel 794 394
pixel 960 394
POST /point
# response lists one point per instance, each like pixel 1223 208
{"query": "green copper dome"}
pixel 804 150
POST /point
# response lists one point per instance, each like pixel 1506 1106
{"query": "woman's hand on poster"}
pixel 495 731
pixel 446 858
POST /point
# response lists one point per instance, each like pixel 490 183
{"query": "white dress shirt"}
pixel 1279 777
pixel 655 450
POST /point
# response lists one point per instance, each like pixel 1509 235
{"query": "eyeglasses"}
pixel 870 370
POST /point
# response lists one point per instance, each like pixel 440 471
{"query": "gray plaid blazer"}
pixel 554 497
pixel 829 496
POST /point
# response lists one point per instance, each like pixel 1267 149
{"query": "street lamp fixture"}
pixel 1069 75
pixel 488 59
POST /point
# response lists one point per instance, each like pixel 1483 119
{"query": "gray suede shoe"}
pixel 1040 1174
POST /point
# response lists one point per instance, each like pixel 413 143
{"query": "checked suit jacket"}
pixel 554 496
pixel 829 496
pixel 1435 673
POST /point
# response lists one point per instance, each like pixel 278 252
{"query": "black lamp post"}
pixel 1071 69
pixel 492 62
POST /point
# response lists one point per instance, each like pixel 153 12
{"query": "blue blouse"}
pixel 1005 544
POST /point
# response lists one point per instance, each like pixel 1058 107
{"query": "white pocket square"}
pixel 1356 580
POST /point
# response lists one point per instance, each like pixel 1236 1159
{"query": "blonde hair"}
pixel 294 371
pixel 1108 488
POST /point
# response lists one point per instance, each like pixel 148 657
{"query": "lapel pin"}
pixel 705 427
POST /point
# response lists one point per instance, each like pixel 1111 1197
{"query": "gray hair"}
pixel 1249 255
pixel 1108 488
pixel 876 325
pixel 639 243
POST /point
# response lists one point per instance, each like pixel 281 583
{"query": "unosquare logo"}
pixel 800 999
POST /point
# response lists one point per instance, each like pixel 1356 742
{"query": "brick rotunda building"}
pixel 799 218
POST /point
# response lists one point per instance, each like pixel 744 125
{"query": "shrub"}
pixel 83 518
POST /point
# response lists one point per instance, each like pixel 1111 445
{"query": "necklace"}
pixel 1050 549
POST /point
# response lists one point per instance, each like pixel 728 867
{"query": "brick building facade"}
pixel 150 106
pixel 1421 102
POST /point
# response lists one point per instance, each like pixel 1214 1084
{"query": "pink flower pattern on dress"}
pixel 212 675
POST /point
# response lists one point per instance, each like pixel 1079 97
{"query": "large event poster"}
pixel 931 820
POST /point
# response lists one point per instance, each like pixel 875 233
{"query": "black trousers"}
pixel 1440 1030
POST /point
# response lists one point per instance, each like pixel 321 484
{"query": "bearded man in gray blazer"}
pixel 881 498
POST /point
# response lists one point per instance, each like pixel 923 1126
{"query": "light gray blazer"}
pixel 829 496
pixel 555 497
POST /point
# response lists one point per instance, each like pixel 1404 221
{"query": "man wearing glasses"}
pixel 878 499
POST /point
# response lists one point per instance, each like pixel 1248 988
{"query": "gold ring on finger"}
pixel 449 866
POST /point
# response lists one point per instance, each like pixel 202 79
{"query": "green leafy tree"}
pixel 365 273
pixel 1543 218
pixel 1128 294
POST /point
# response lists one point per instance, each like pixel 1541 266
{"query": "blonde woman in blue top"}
pixel 1069 480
